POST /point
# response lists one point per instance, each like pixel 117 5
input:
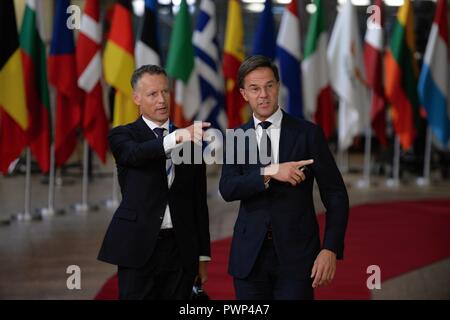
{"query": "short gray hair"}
pixel 148 68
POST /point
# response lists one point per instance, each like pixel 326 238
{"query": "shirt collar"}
pixel 152 125
pixel 275 119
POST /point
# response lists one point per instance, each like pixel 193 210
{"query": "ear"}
pixel 136 98
pixel 244 95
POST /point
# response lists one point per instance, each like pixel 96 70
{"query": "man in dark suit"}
pixel 276 251
pixel 159 235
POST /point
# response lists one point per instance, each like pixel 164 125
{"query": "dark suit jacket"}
pixel 289 210
pixel 132 233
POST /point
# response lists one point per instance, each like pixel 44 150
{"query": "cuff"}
pixel 170 143
pixel 205 258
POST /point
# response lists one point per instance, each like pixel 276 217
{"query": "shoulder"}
pixel 131 127
pixel 128 131
pixel 299 124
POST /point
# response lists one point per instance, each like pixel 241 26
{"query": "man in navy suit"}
pixel 276 251
pixel 159 236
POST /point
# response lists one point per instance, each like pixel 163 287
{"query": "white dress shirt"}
pixel 169 143
pixel 273 132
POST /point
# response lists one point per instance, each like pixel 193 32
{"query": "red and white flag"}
pixel 373 60
pixel 89 70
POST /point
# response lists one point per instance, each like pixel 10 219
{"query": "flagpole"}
pixel 83 206
pixel 394 182
pixel 365 181
pixel 113 203
pixel 425 179
pixel 50 210
pixel 26 214
pixel 343 161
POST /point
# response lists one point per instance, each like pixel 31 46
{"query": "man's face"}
pixel 153 98
pixel 261 92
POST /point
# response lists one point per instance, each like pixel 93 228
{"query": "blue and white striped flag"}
pixel 207 61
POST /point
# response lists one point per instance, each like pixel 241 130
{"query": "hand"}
pixel 324 268
pixel 290 172
pixel 203 271
pixel 192 133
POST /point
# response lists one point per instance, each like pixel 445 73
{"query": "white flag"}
pixel 347 75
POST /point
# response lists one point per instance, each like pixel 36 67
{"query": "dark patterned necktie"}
pixel 169 165
pixel 265 138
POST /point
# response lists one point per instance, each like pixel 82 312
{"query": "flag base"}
pixel 363 184
pixel 111 204
pixel 84 207
pixel 392 183
pixel 422 182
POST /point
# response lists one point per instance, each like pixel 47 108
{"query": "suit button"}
pixel 160 218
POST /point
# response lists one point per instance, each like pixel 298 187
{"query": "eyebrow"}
pixel 268 82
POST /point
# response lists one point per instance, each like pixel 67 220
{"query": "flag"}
pixel 89 70
pixel 62 74
pixel 345 59
pixel 232 57
pixel 317 95
pixel 147 49
pixel 36 84
pixel 264 42
pixel 207 61
pixel 288 50
pixel 118 62
pixel 373 59
pixel 434 85
pixel 401 74
pixel 13 110
pixel 181 67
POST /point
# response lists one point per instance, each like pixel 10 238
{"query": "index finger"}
pixel 304 162
pixel 205 124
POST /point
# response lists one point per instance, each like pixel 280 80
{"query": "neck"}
pixel 159 123
pixel 265 118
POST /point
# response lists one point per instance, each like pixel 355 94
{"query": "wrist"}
pixel 267 172
pixel 178 137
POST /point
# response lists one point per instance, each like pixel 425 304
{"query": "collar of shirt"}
pixel 152 125
pixel 273 131
pixel 275 119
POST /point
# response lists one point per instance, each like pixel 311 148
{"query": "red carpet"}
pixel 399 237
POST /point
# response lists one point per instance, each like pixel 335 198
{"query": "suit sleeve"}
pixel 332 192
pixel 130 153
pixel 238 185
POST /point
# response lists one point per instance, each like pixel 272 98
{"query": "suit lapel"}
pixel 287 138
pixel 144 131
pixel 250 125
pixel 145 134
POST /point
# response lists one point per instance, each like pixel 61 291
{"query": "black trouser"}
pixel 267 281
pixel 161 278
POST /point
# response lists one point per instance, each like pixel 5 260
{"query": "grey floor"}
pixel 35 255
